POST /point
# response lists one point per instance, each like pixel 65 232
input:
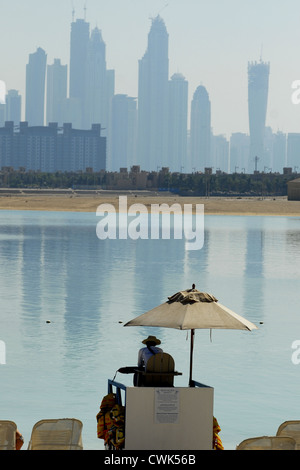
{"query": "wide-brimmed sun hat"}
pixel 151 339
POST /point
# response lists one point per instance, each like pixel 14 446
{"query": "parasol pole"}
pixel 192 348
pixel 191 356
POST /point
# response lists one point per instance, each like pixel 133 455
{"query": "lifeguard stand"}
pixel 166 418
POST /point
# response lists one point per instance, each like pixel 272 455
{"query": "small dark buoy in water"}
pixel 261 322
pixel 48 321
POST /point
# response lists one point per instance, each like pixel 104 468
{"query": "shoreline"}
pixel 88 201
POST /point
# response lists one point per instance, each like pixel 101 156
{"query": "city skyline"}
pixel 203 47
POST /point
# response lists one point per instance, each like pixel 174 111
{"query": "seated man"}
pixel 151 348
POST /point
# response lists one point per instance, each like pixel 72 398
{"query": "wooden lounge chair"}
pixel 290 429
pixel 159 372
pixel 267 443
pixel 8 431
pixel 56 434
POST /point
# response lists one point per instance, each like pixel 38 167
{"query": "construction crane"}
pixel 73 12
pixel 163 8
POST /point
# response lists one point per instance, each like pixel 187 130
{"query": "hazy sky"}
pixel 210 43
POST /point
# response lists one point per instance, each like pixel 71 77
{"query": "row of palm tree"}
pixel 194 183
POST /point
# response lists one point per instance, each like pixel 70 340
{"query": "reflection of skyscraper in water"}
pixel 162 278
pixel 82 282
pixel 254 268
pixel 254 250
pixel 195 265
pixel 225 260
pixel 11 249
pixel 258 87
pixel 153 98
pixel 31 271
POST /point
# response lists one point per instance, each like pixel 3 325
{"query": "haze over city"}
pixel 210 43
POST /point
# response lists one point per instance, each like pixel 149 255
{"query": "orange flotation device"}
pixel 104 419
pixel 217 443
pixel 111 423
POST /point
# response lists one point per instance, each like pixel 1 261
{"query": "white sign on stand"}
pixel 166 406
pixel 155 418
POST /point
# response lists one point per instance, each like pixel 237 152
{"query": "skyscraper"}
pixel 57 76
pixel 80 35
pixel 177 122
pixel 239 152
pixel 35 87
pixel 200 135
pixel 2 114
pixel 13 106
pixel 258 88
pixel 123 133
pixel 153 99
pixel 219 153
pixel 99 83
pixel 293 151
pixel 279 152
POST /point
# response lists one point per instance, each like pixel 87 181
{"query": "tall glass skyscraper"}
pixel 13 106
pixel 100 83
pixel 177 123
pixel 258 88
pixel 35 88
pixel 123 130
pixel 57 76
pixel 96 79
pixel 153 99
pixel 200 136
pixel 80 35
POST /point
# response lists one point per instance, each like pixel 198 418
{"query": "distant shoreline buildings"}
pixel 150 130
pixel 48 149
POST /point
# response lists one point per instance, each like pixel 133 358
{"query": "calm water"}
pixel 54 268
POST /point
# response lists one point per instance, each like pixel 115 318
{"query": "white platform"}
pixel 169 418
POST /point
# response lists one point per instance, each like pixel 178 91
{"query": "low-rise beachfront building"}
pixel 294 190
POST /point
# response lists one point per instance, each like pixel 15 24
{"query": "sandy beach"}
pixel 89 201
